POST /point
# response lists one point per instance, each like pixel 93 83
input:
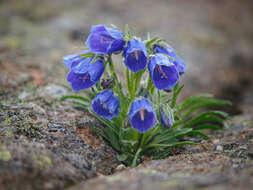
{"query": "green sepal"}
pixel 149 42
pixel 87 55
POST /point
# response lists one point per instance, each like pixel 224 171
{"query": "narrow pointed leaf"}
pixel 75 97
pixel 203 119
pixel 207 126
pixel 172 144
pixel 81 105
pixel 204 104
pixel 192 100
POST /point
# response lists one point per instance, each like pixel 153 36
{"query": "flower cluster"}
pixel 143 118
pixel 163 64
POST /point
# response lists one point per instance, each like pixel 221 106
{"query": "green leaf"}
pixel 179 90
pixel 81 105
pixel 116 122
pixel 105 122
pixel 203 104
pixel 113 139
pixel 161 154
pixel 75 97
pixel 149 135
pixel 207 126
pixel 203 119
pixel 87 55
pixel 176 92
pixel 122 157
pixel 130 142
pixel 172 144
pixel 134 163
pixel 216 113
pixel 100 132
pixel 198 133
pixel 192 100
pixel 172 132
pixel 169 135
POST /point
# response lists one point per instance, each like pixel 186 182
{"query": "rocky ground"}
pixel 47 144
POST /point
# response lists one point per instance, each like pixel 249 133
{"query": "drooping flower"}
pixel 105 104
pixel 170 52
pixel 166 118
pixel 105 40
pixel 83 74
pixel 71 60
pixel 142 116
pixel 135 55
pixel 163 72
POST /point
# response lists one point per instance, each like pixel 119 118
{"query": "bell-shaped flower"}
pixel 72 60
pixel 163 72
pixel 105 40
pixel 142 116
pixel 135 55
pixel 105 104
pixel 166 118
pixel 83 73
pixel 170 52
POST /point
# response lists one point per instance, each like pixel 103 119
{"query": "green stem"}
pixel 118 89
pixel 113 74
pixel 150 84
pixel 143 138
pixel 132 81
pixel 128 81
pixel 159 97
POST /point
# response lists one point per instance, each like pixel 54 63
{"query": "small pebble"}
pixel 243 147
pixel 54 127
pixel 219 148
pixel 23 95
pixel 54 91
pixel 120 167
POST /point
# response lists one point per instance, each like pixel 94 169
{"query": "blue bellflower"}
pixel 105 104
pixel 180 65
pixel 142 116
pixel 135 55
pixel 83 75
pixel 163 72
pixel 105 40
pixel 166 120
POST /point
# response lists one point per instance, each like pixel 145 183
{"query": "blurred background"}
pixel 214 38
